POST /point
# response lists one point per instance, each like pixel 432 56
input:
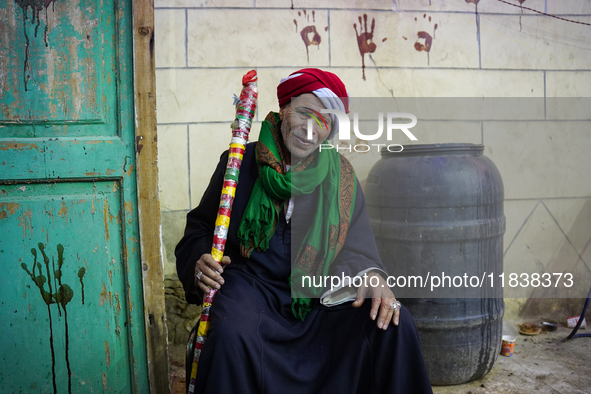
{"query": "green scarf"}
pixel 326 170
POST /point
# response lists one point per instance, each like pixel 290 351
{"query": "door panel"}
pixel 61 62
pixel 72 302
pixel 65 157
pixel 67 285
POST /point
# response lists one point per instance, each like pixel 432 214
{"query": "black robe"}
pixel 256 345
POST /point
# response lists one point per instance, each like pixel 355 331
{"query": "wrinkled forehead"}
pixel 307 100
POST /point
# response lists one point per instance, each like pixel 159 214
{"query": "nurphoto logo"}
pixel 345 130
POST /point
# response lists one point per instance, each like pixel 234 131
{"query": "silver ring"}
pixel 395 305
pixel 198 276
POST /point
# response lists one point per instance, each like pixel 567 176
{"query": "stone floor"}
pixel 541 364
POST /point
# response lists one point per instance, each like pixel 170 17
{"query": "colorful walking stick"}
pixel 245 109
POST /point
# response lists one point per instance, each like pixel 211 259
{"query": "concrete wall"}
pixel 487 49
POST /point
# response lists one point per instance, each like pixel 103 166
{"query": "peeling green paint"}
pixel 59 75
pixel 36 7
pixel 78 106
pixel 61 297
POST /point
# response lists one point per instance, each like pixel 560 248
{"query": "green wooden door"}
pixel 71 298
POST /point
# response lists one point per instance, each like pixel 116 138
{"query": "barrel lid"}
pixel 437 149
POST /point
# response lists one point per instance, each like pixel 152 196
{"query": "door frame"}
pixel 146 152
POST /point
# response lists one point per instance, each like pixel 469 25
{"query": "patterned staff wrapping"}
pixel 245 109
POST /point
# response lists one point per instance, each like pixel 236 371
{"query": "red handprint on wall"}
pixel 309 33
pixel 427 44
pixel 364 39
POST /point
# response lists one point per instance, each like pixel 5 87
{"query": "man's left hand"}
pixel 382 301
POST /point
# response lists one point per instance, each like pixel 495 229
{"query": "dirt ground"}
pixel 541 364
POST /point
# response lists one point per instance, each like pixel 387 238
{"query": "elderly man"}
pixel 299 212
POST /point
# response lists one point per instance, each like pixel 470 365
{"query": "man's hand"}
pixel 208 271
pixel 382 300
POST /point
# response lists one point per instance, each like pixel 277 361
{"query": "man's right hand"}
pixel 211 272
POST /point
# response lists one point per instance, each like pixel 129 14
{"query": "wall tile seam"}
pixel 532 14
pixel 381 10
pixel 505 200
pixel 205 122
pixel 545 98
pixel 329 39
pixel 186 38
pixel 550 120
pixel 213 68
pixel 379 68
pixel 482 132
pixel 196 123
pixel 256 112
pixel 475 121
pixel 300 9
pixel 478 38
pixel 165 210
pixel 539 199
pixel 189 163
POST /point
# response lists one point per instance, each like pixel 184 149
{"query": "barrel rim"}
pixel 446 148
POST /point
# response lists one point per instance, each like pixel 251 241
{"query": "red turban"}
pixel 311 80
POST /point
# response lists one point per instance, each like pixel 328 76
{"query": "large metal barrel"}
pixel 437 211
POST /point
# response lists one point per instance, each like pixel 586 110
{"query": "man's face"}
pixel 294 125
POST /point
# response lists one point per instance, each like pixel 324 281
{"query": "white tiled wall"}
pixel 203 47
pixel 170 25
pixel 252 38
pixel 395 35
pixel 172 167
pixel 484 6
pixel 539 43
pixel 541 159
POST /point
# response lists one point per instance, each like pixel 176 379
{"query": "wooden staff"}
pixel 245 109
